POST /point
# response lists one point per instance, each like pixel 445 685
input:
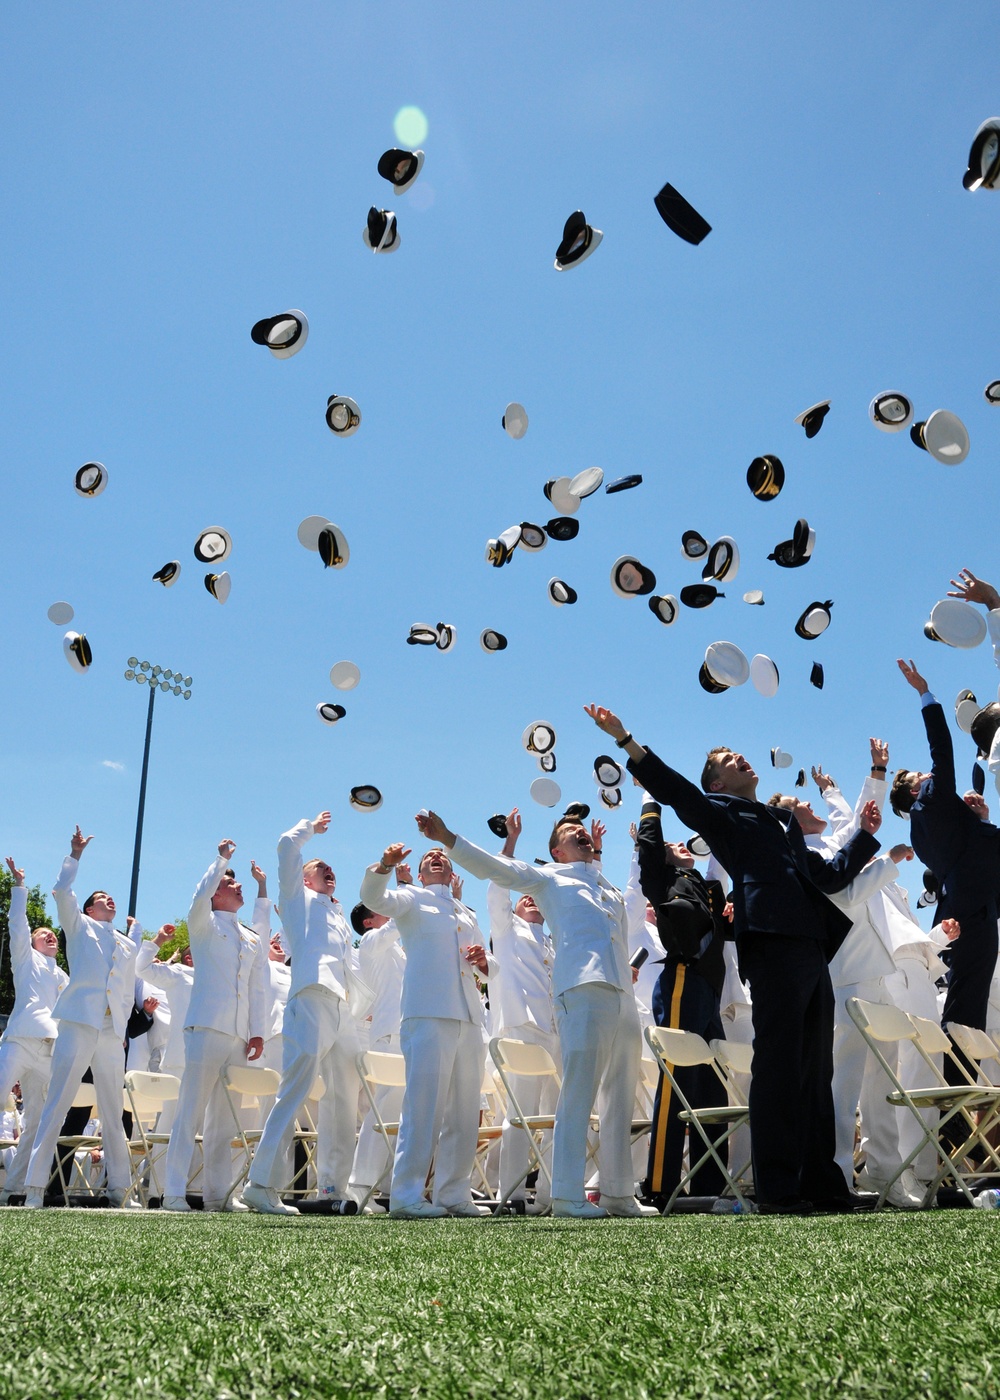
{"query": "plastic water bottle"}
pixel 988 1200
pixel 725 1206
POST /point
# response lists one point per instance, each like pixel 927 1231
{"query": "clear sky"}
pixel 173 173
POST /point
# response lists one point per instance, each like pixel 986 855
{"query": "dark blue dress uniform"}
pixel 964 853
pixel 691 927
pixel 786 931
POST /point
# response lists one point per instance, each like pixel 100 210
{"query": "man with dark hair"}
pixel 951 837
pixel 224 1025
pixel 786 931
pixel 441 1034
pixel 596 1016
pixel 26 1047
pixel 92 1013
pixel 691 925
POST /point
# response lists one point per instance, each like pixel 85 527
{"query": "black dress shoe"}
pixel 845 1205
pixel 786 1205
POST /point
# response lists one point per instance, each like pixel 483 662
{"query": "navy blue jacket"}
pixel 962 851
pixel 778 882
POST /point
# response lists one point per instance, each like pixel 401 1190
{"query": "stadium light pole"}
pixel 157 679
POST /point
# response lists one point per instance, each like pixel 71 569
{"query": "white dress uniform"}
pixel 521 995
pixel 174 983
pixel 596 1017
pixel 26 1047
pixel 441 1037
pixel 227 1009
pixel 381 962
pixel 92 1013
pixel 318 1030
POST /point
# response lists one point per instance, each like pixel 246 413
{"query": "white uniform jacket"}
pixel 228 993
pixel 38 979
pixel 433 929
pixel 381 964
pixel 521 992
pixel 101 962
pixel 584 912
pixel 863 957
pixel 316 936
pixel 174 981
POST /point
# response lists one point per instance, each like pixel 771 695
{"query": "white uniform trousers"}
pixel 911 987
pixel 850 1055
pixel 76 1047
pixel 373 1155
pixel 600 1046
pixel 319 1040
pixel 737 1021
pixel 202 1107
pixel 536 1094
pixel 25 1060
pixel 439 1118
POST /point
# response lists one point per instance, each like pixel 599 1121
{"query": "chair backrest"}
pixel 382 1067
pixel 885 1023
pixel 318 1089
pixel 85 1097
pixel 972 1042
pixel 649 1072
pixel 155 1088
pixel 252 1079
pixel 735 1056
pixel 679 1047
pixel 518 1057
pixel 930 1037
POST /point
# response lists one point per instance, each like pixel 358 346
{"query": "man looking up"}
pixel 596 1017
pixel 92 1013
pixel 26 1047
pixel 786 931
pixel 318 1029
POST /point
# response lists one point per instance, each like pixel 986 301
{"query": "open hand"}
pixel 606 720
pixel 871 818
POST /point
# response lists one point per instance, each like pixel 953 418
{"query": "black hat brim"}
pixel 680 216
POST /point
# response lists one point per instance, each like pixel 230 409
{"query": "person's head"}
pixel 803 813
pixel 570 841
pixel 977 803
pixel 275 952
pixel 43 940
pixel 100 906
pixel 678 855
pixel 435 868
pixel 363 919
pixel 729 772
pixel 528 910
pixel 318 876
pixel 904 790
pixel 229 896
pixel 186 958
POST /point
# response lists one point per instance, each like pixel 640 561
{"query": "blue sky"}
pixel 174 174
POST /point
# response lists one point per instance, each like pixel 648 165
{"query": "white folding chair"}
pixel 979 1117
pixel 305 1136
pixel 735 1060
pixel 883 1025
pixel 381 1068
pixel 246 1081
pixel 684 1049
pixel 145 1095
pixel 85 1097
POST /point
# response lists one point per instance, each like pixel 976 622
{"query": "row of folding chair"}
pixel 955 1120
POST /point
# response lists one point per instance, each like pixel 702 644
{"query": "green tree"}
pixel 37 918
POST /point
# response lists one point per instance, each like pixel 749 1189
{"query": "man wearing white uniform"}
pixel 521 996
pixel 318 1030
pixel 441 1035
pixel 596 1017
pixel 92 1012
pixel 26 1047
pixel 224 1026
pixel 381 962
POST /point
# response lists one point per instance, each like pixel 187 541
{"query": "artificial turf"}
pixel 107 1304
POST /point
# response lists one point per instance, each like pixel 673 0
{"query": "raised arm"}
pixel 375 893
pixel 290 856
pixel 836 874
pixel 201 902
pixel 66 903
pixel 17 918
pixel 976 590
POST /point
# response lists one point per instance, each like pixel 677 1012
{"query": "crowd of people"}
pixel 796 915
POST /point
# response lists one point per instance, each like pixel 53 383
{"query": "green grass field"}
pixel 97 1303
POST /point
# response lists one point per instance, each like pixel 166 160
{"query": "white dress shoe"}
pixel 905 1193
pixel 417 1210
pixel 626 1205
pixel 469 1209
pixel 177 1204
pixel 577 1210
pixel 235 1205
pixel 266 1200
pixel 121 1198
pixel 34 1198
